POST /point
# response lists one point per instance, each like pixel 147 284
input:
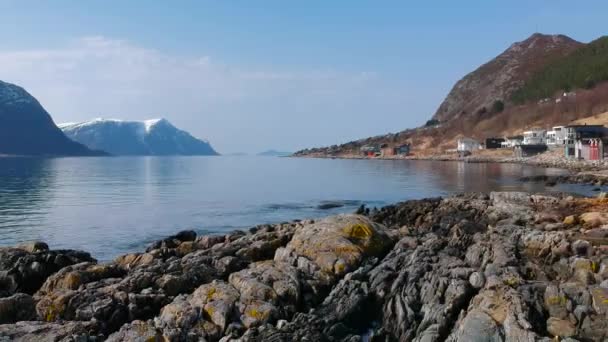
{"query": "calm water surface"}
pixel 113 205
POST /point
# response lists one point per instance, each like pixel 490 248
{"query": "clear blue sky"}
pixel 254 75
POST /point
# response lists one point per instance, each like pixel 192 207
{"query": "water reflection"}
pixel 114 205
pixel 25 189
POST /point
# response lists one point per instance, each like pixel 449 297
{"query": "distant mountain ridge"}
pixel 149 137
pixel 26 128
pixel 274 153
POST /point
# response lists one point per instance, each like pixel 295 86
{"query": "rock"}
pixel 560 327
pixel 329 205
pixel 464 268
pixel 257 313
pixel 129 261
pixel 570 220
pixel 478 327
pixel 582 248
pixel 18 307
pixel 600 300
pixel 49 332
pixel 338 244
pixel 136 331
pixel 34 247
pixel 594 218
pixel 25 269
pixel 477 280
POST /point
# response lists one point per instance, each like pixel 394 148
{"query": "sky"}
pixel 255 75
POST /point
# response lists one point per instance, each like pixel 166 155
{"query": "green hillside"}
pixel 583 68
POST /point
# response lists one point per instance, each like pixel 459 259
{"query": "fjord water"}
pixel 113 205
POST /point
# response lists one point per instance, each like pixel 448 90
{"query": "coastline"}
pixel 581 171
pixel 508 262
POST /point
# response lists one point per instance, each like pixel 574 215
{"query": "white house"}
pixel 513 141
pixel 467 145
pixel 557 136
pixel 535 136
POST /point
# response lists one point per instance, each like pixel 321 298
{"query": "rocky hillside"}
pixel 497 267
pixel 149 137
pixel 499 78
pixel 27 129
pixel 519 89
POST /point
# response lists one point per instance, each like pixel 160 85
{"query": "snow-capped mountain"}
pixel 149 137
pixel 27 129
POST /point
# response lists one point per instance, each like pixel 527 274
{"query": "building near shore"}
pixel 535 136
pixel 524 151
pixel 466 146
pixel 370 150
pixel 556 137
pixel 386 151
pixel 513 141
pixel 402 150
pixel 494 143
pixel 585 142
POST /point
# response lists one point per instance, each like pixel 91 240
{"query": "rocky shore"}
pixel 473 267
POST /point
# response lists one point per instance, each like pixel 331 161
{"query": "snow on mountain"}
pixel 148 137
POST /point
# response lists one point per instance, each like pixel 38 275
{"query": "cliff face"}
pixel 27 129
pixel 500 77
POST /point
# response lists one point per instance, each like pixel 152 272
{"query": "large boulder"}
pixel 338 245
pixel 26 267
pixel 18 307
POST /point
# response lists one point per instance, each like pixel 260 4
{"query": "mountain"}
pixel 27 129
pixel 584 68
pixel 495 81
pixel 150 137
pixel 274 153
pixel 542 81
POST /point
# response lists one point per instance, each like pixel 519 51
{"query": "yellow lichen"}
pixel 511 281
pixel 210 293
pixel 258 315
pixel 557 300
pixel 358 231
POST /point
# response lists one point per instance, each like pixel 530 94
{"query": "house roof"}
pixel 583 126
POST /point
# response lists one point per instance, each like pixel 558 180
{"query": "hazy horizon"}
pixel 253 77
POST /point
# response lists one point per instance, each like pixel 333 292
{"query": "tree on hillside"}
pixel 432 122
pixel 498 106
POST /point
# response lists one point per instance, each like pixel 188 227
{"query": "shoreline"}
pixel 579 169
pixel 471 259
